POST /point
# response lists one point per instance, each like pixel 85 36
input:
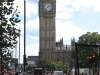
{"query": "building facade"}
pixel 49 48
pixel 33 60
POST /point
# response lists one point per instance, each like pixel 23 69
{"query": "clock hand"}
pixel 48 6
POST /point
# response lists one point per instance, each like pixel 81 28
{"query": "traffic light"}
pixel 92 60
pixel 16 64
pixel 25 62
pixel 54 67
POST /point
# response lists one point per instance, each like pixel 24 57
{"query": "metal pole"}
pixel 24 31
pixel 1 38
pixel 15 57
pixel 77 63
pixel 19 48
pixel 98 61
pixel 89 68
pixel 93 70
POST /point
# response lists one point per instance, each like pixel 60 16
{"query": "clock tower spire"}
pixel 47 29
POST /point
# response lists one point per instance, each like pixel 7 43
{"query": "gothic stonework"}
pixel 47 29
pixel 49 48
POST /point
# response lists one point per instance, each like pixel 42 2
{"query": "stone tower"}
pixel 47 28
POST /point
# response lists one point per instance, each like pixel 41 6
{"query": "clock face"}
pixel 48 7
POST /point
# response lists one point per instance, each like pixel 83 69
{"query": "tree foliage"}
pixel 84 52
pixel 29 67
pixel 9 31
pixel 49 64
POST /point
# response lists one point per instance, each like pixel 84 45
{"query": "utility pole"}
pixel 24 32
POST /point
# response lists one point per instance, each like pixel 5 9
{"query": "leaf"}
pixel 9 31
pixel 90 38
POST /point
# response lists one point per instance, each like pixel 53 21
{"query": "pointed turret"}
pixel 72 42
pixel 66 46
pixel 62 41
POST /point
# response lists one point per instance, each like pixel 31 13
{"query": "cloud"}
pixel 32 27
pixel 62 12
pixel 67 30
pixel 31 8
pixel 32 49
pixel 64 9
pixel 96 5
pixel 80 5
pixel 21 43
pixel 33 1
pixel 64 15
pixel 64 28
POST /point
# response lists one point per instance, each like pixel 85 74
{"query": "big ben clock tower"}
pixel 47 36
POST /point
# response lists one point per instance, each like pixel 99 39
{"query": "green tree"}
pixel 9 31
pixel 85 52
pixel 29 67
pixel 50 64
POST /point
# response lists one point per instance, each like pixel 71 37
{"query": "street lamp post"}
pixel 24 31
